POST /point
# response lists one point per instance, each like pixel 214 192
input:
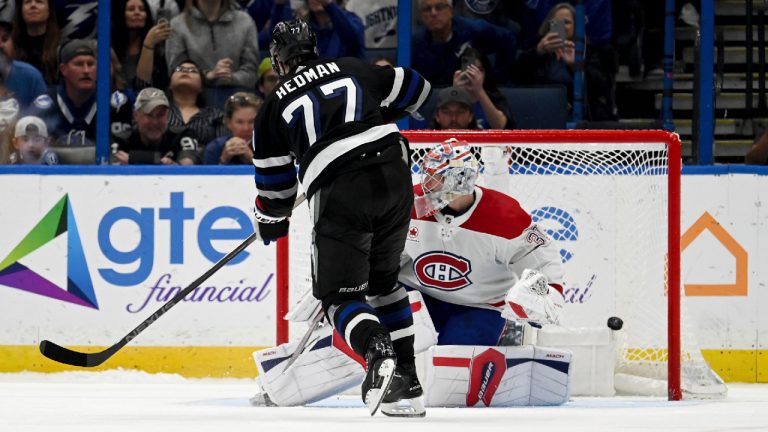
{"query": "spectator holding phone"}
pixel 340 33
pixel 235 148
pixel 137 42
pixel 552 61
pixel 490 107
pixel 437 45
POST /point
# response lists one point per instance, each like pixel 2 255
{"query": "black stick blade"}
pixel 73 358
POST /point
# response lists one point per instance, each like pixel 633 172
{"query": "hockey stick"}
pixel 64 355
pixel 303 342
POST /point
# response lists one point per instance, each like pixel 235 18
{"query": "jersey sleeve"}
pixel 534 249
pixel 404 92
pixel 520 242
pixel 275 176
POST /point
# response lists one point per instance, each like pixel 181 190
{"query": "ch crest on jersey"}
pixel 443 270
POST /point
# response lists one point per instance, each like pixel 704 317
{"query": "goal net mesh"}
pixel 606 206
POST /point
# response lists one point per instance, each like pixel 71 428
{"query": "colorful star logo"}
pixel 59 220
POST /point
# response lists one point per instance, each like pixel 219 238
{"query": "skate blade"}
pixel 404 408
pixel 374 396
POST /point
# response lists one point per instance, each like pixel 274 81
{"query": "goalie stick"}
pixel 64 355
pixel 303 342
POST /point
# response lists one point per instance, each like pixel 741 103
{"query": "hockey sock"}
pixel 356 321
pixel 394 311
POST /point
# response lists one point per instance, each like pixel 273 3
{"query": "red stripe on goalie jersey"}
pixel 498 214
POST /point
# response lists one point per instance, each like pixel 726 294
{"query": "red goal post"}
pixel 585 152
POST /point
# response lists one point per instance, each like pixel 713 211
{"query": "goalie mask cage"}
pixel 611 201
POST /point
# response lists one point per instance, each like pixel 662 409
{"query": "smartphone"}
pixel 466 61
pixel 163 16
pixel 557 26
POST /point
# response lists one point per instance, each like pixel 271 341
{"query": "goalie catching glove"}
pixel 268 228
pixel 532 299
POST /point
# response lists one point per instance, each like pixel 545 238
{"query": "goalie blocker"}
pixel 457 376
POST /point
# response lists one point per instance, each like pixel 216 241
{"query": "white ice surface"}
pixel 116 401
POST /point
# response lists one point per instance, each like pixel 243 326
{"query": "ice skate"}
pixel 381 360
pixel 404 398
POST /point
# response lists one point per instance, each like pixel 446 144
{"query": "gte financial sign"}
pixel 136 263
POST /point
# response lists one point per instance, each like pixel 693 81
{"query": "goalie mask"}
pixel 291 39
pixel 448 171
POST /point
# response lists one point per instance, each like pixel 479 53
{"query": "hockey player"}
pixel 475 258
pixel 468 245
pixel 330 118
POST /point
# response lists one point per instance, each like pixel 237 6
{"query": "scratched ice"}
pixel 117 401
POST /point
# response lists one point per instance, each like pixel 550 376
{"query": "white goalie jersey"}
pixel 473 259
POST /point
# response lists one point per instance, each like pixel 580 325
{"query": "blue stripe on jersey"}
pixel 271 179
pixel 396 316
pixel 350 308
pixel 415 80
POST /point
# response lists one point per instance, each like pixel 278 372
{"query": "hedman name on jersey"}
pixel 304 77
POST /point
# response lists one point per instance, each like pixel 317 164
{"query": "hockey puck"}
pixel 615 323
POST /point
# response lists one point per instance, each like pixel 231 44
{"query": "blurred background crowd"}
pixel 188 77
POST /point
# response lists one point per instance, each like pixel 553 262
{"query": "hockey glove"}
pixel 269 232
pixel 269 228
pixel 531 299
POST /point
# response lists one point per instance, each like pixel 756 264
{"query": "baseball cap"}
pixel 453 94
pixel 149 99
pixel 264 66
pixel 31 126
pixel 77 47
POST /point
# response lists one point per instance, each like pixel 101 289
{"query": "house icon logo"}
pixel 59 220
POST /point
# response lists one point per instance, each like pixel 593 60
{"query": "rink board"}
pixel 151 230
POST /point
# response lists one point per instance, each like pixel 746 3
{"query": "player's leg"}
pixel 342 245
pixel 389 298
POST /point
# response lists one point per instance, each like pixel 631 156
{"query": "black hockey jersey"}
pixel 321 117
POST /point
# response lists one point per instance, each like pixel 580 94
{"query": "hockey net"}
pixel 611 200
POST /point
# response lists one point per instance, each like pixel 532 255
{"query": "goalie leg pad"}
pixel 322 370
pixel 424 330
pixel 483 376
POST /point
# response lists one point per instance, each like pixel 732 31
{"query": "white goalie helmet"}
pixel 448 171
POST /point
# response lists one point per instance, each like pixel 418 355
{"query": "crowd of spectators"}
pixel 188 76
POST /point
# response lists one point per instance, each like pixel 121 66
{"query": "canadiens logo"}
pixel 443 270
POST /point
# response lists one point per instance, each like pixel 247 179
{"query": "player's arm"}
pixel 537 296
pixel 404 91
pixel 275 174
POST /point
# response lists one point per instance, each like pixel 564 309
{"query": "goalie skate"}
pixel 404 398
pixel 380 357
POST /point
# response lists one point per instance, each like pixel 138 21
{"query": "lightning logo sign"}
pixel 443 270
pixel 59 220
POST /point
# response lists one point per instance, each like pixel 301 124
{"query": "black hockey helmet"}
pixel 291 39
